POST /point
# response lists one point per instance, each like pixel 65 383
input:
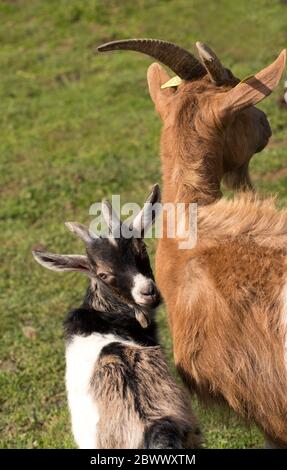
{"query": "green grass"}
pixel 77 126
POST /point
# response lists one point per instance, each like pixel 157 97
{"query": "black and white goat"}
pixel 120 391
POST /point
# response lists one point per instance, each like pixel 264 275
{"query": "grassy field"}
pixel 77 126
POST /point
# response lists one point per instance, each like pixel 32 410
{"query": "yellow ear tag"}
pixel 175 81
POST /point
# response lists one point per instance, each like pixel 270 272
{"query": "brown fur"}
pixel 211 131
pixel 157 395
pixel 223 297
pixel 199 149
pixel 224 304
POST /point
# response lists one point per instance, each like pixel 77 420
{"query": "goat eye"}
pixel 103 276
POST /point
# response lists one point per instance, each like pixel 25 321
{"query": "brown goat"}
pixel 227 297
pixel 227 305
pixel 211 127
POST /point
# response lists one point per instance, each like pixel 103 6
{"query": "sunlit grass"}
pixel 76 127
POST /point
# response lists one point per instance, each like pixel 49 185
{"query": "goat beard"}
pixel 142 315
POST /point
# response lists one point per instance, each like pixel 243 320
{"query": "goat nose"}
pixel 148 290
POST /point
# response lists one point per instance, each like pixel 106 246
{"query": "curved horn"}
pixel 216 71
pixel 179 60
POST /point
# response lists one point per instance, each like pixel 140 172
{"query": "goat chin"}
pixel 238 180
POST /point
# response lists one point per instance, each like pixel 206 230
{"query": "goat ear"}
pixel 254 89
pixel 61 263
pixel 156 77
pixel 146 217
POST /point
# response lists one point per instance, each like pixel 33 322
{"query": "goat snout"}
pixel 144 291
pixel 148 290
pixel 264 131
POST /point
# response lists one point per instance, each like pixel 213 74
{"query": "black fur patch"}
pixel 164 434
pixel 84 321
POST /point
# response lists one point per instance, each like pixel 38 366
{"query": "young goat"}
pixel 120 392
pixel 227 297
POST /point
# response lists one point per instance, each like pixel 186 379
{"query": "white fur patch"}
pixel 81 357
pixel 140 284
pixel 284 318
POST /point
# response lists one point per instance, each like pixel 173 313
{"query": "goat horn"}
pixel 179 60
pixel 148 213
pixel 216 71
pixel 111 218
pixel 81 231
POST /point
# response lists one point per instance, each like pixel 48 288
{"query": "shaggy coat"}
pixel 120 391
pixel 133 400
pixel 227 305
pixel 226 297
